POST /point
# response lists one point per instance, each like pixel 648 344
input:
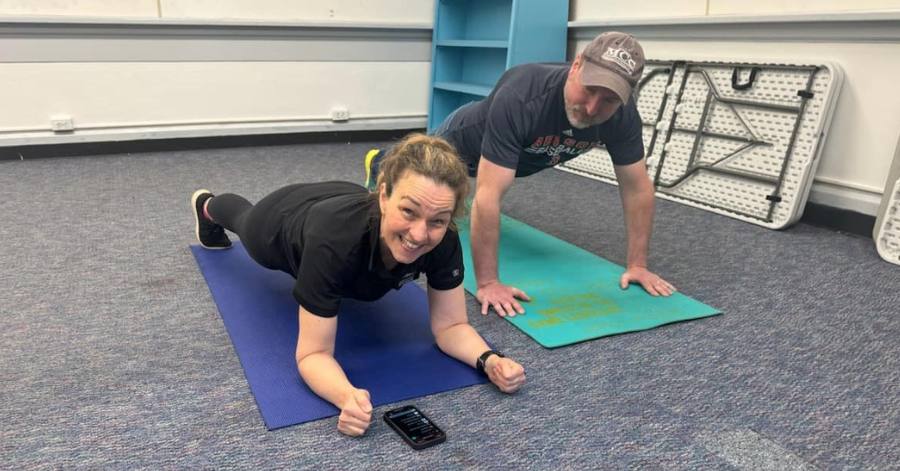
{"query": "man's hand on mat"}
pixel 356 413
pixel 506 374
pixel 651 282
pixel 502 298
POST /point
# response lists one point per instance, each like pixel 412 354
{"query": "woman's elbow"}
pixel 303 359
pixel 440 331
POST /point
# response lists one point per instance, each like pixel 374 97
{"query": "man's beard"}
pixel 581 124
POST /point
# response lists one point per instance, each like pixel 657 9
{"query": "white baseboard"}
pixel 838 195
pixel 175 131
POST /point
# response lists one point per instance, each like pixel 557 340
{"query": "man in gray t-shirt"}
pixel 539 115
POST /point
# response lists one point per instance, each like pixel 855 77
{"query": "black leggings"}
pixel 250 223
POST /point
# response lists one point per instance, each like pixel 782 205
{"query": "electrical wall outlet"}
pixel 62 123
pixel 339 113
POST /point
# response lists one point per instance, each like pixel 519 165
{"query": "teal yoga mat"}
pixel 575 294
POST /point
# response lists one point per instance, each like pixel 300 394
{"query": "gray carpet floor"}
pixel 113 354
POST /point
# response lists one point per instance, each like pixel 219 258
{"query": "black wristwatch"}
pixel 479 364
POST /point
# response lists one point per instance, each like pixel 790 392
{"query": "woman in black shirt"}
pixel 340 241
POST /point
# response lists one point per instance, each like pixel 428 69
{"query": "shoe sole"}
pixel 198 194
pixel 369 157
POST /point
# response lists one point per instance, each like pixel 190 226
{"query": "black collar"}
pixel 375 261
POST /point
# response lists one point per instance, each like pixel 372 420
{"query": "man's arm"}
pixel 457 338
pixel 323 374
pixel 491 184
pixel 637 196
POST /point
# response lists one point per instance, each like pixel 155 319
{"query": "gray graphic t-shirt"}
pixel 522 125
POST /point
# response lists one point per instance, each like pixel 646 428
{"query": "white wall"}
pixel 865 44
pixel 581 10
pixel 284 10
pixel 763 7
pixel 585 10
pixel 274 10
pixel 133 69
pixel 121 101
pixel 97 8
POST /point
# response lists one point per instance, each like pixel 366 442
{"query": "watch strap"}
pixel 479 364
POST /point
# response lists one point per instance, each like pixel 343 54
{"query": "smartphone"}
pixel 416 429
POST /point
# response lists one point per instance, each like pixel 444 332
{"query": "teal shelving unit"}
pixel 475 41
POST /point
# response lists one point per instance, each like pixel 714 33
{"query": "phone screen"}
pixel 414 427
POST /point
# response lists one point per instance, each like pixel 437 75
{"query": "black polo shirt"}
pixel 327 235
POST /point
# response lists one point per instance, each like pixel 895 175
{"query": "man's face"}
pixel 587 105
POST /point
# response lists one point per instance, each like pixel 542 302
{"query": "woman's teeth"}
pixel 408 245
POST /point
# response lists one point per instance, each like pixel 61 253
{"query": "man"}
pixel 540 115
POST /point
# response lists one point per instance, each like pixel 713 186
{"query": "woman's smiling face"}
pixel 414 218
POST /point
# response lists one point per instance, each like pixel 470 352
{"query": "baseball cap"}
pixel 613 60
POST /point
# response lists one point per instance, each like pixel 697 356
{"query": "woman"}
pixel 343 242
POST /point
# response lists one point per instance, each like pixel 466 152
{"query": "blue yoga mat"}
pixel 385 346
pixel 575 294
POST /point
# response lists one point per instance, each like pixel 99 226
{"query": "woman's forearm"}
pixel 325 377
pixel 462 342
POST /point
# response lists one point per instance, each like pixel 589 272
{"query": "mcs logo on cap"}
pixel 622 58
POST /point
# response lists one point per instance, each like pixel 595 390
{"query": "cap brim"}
pixel 593 75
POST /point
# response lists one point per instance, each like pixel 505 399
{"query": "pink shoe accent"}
pixel 206 211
